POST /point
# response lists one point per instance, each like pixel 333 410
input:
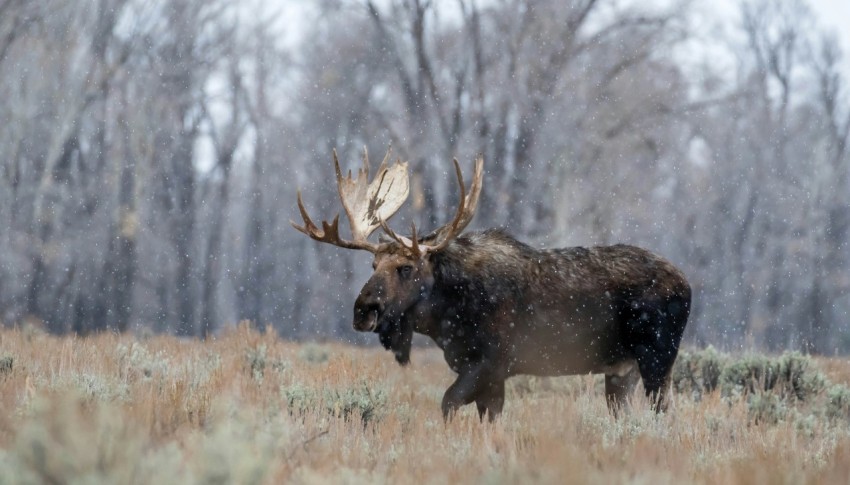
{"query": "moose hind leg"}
pixel 657 344
pixel 655 368
pixel 618 388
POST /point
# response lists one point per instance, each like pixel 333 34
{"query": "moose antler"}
pixel 466 208
pixel 367 205
pixel 465 212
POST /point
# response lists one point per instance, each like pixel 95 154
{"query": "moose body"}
pixel 498 307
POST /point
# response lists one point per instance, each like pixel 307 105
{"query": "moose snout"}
pixel 366 315
pixel 369 306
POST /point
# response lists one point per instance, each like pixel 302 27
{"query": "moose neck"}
pixel 473 276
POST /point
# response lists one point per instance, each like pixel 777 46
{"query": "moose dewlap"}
pixel 498 307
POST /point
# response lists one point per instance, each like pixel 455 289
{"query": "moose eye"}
pixel 405 270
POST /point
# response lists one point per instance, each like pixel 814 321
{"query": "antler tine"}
pixel 366 161
pixel 461 208
pixel 459 215
pixel 414 240
pixel 308 228
pixel 474 191
pixel 410 244
pixel 386 158
pixel 466 207
pixel 346 183
pixel 329 232
pixel 337 169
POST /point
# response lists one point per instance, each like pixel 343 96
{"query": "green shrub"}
pixel 368 403
pixel 539 387
pixel 256 360
pixel 7 363
pixel 742 376
pixel 314 353
pixel 70 440
pixel 790 375
pixel 101 388
pixel 360 400
pixel 137 357
pixel 766 407
pixel 711 366
pixel 838 402
pixel 799 376
pixel 773 387
pixel 698 373
pixel 300 399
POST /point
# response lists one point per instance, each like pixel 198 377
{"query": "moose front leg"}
pixel 490 400
pixel 477 382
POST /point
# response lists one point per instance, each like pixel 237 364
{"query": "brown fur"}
pixel 498 307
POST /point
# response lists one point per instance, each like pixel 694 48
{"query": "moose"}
pixel 498 307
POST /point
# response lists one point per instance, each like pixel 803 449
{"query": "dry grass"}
pixel 248 408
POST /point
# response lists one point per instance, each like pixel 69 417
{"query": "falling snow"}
pixel 150 156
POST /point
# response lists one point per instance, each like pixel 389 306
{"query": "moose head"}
pixel 403 270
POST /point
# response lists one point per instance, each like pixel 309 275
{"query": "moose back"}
pixel 498 307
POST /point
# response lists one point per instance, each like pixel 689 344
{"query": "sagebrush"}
pixel 249 408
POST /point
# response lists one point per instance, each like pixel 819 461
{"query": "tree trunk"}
pixel 183 234
pixel 125 254
pixel 212 266
pixel 253 280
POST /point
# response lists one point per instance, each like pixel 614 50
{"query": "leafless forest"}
pixel 150 152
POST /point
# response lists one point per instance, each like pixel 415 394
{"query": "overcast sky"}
pixel 711 20
pixel 835 15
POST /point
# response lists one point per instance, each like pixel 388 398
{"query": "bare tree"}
pixel 151 154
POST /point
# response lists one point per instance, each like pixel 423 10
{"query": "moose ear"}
pixel 398 338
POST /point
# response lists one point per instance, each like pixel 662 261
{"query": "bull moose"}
pixel 498 307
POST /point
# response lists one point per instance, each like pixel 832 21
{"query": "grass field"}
pixel 250 408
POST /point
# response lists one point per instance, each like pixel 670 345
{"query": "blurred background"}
pixel 150 152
